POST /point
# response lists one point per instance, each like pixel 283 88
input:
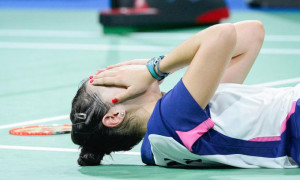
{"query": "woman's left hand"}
pixel 136 78
pixel 126 63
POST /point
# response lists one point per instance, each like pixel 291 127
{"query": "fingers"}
pixel 131 62
pixel 99 71
pixel 118 65
pixel 108 78
pixel 114 66
pixel 107 81
pixel 128 94
pixel 108 73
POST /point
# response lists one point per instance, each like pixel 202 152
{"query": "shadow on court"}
pixel 152 172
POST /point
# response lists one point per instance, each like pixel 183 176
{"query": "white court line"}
pixel 182 36
pixel 38 148
pixel 280 51
pixel 94 34
pixel 283 38
pixel 276 83
pixel 55 149
pixel 48 33
pixel 99 47
pixel 57 118
pixel 86 47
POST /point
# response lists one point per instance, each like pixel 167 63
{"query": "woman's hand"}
pixel 135 78
pixel 131 62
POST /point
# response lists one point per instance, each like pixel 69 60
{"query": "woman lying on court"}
pixel 207 119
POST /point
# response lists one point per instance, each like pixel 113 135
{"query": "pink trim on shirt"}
pixel 263 139
pixel 282 129
pixel 283 125
pixel 190 137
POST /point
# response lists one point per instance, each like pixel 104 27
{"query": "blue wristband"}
pixel 157 67
pixel 150 65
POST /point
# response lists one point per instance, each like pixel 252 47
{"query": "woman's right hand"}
pixel 135 78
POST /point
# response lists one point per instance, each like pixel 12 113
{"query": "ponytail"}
pixel 89 157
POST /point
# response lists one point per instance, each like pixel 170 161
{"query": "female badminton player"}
pixel 208 119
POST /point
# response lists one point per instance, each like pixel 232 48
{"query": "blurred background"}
pixel 47 47
pixel 104 4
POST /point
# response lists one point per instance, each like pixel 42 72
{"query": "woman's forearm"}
pixel 250 35
pixel 210 62
pixel 183 54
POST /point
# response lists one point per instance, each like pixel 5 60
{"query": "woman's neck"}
pixel 145 114
pixel 143 107
pixel 147 110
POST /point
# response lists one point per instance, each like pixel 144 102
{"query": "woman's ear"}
pixel 113 117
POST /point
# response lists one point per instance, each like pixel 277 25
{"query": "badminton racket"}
pixel 41 130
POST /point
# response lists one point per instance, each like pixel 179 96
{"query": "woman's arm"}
pixel 207 53
pixel 250 37
pixel 211 57
pixel 211 46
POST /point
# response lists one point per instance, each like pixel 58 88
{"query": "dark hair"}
pixel 94 138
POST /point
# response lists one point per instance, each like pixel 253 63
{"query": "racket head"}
pixel 41 130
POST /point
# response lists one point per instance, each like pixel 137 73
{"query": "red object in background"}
pixel 140 4
pixel 213 16
pixel 143 13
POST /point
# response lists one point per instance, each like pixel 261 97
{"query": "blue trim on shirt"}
pixel 176 110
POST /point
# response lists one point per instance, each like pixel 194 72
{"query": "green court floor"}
pixel 45 54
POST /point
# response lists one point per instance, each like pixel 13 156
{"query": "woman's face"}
pixel 107 93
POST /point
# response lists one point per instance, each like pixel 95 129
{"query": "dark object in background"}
pixel 150 13
pixel 275 3
pixel 122 3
